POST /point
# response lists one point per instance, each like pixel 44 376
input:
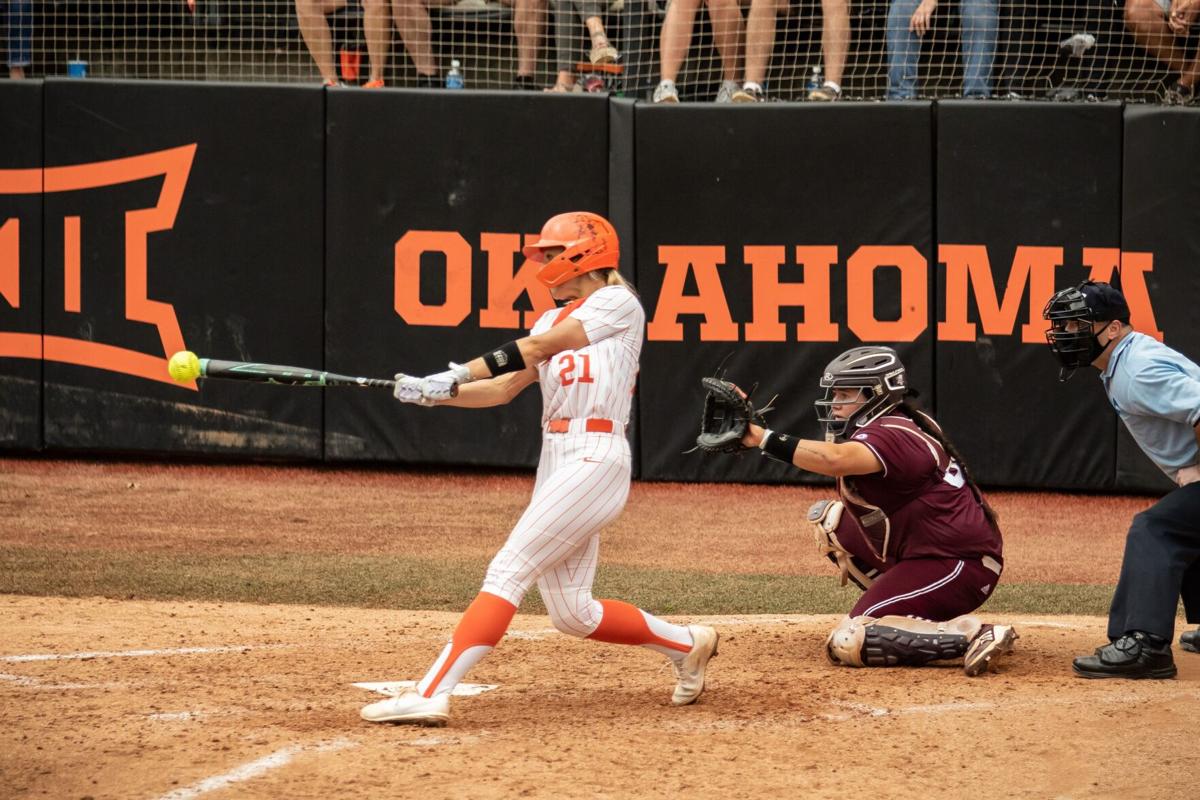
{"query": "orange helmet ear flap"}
pixel 589 242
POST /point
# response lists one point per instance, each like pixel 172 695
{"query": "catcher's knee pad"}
pixel 825 517
pixel 895 641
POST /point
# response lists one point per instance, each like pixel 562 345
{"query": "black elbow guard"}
pixel 506 358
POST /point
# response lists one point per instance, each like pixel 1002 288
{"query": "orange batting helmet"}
pixel 589 242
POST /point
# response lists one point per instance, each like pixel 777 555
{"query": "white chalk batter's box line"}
pixel 170 651
pixel 255 768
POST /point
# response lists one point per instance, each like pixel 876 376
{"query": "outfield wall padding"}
pixel 756 262
pixel 430 196
pixel 181 216
pixel 21 265
pixel 1160 232
pixel 375 232
pixel 1020 203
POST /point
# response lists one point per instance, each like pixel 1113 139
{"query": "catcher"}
pixel 909 527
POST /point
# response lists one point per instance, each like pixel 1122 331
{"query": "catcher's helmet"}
pixel 1076 345
pixel 875 371
pixel 590 242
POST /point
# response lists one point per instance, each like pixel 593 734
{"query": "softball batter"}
pixel 585 356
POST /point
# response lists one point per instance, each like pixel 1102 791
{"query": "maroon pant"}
pixel 937 589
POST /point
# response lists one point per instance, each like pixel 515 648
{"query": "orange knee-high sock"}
pixel 622 623
pixel 481 628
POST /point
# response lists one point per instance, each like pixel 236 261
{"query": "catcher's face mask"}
pixel 1073 334
pixel 860 386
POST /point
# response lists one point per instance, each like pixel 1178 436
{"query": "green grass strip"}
pixel 409 583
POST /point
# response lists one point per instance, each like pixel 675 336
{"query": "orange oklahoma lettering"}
pixel 10 262
pixel 860 293
pixel 1032 265
pixel 503 287
pixel 1104 261
pixel 718 325
pixel 770 294
pixel 407 291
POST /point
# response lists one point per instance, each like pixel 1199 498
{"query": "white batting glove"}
pixel 444 385
pixel 408 390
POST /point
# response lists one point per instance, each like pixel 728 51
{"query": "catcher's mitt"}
pixel 728 413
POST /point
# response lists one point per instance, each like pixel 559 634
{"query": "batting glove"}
pixel 444 385
pixel 408 390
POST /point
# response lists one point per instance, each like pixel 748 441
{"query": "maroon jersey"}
pixel 918 506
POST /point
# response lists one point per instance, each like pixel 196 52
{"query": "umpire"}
pixel 1156 392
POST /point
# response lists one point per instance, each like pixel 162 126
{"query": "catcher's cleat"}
pixel 410 708
pixel 690 670
pixel 1190 641
pixel 990 643
pixel 1134 655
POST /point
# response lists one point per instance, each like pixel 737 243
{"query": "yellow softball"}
pixel 184 366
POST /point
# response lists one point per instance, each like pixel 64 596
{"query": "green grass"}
pixel 392 582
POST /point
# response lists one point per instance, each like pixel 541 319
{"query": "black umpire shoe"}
pixel 1134 655
pixel 1190 640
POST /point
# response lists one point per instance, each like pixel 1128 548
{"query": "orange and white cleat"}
pixel 690 671
pixel 410 708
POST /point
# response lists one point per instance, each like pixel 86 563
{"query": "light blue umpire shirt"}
pixel 1156 392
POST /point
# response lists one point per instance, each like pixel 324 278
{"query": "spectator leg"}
pixel 529 24
pixel 377 30
pixel 835 37
pixel 314 27
pixel 904 51
pixel 980 24
pixel 565 37
pixel 1148 25
pixel 676 36
pixel 760 39
pixel 416 31
pixel 729 31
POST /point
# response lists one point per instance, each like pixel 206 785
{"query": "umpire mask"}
pixel 878 375
pixel 1072 313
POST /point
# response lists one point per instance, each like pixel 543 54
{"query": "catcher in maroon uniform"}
pixel 909 526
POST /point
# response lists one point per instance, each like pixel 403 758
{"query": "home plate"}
pixel 393 688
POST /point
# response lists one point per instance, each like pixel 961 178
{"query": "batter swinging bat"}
pixel 185 366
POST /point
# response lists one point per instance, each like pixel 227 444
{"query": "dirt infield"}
pixel 568 718
pixel 112 698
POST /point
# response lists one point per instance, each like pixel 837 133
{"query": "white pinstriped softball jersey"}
pixel 583 478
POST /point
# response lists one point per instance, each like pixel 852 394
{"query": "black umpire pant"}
pixel 1162 563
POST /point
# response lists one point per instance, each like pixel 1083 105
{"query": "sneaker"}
pixel 826 93
pixel 1190 641
pixel 990 643
pixel 666 92
pixel 410 708
pixel 603 52
pixel 748 94
pixel 373 84
pixel 726 92
pixel 1178 95
pixel 690 670
pixel 1134 655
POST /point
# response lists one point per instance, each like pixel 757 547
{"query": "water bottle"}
pixel 815 82
pixel 454 78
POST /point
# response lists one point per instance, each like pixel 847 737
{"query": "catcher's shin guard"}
pixel 895 641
